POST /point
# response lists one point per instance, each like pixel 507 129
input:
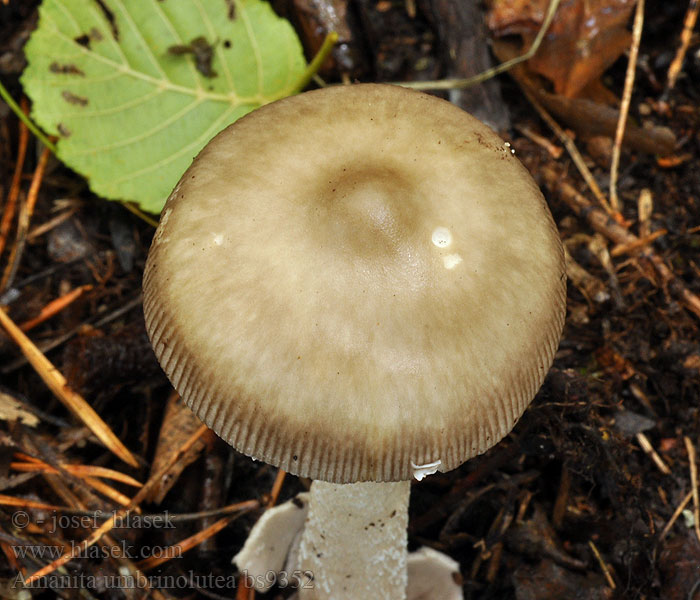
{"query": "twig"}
pixel 676 513
pixel 176 550
pixel 571 149
pixel 653 454
pixel 57 383
pixel 244 592
pixel 276 488
pixel 10 206
pixel 25 217
pixel 674 69
pixel 453 84
pixel 107 491
pixel 562 500
pixel 55 306
pixel 97 515
pixel 154 480
pixel 35 464
pixel 495 562
pixel 410 8
pixel 603 565
pixel 55 343
pixel 638 244
pixel 592 288
pixel 554 151
pixel 40 230
pixel 26 503
pixel 625 106
pixel 645 208
pixel 601 222
pixel 690 449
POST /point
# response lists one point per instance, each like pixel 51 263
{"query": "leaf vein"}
pixel 184 150
pixel 253 43
pixel 168 23
pixel 88 114
pixel 66 12
pixel 136 138
pixel 219 52
pixel 100 18
pixel 167 84
pixel 142 41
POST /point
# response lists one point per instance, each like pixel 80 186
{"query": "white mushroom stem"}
pixel 354 541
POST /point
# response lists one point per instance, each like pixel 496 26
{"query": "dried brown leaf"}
pixel 585 38
pixel 179 423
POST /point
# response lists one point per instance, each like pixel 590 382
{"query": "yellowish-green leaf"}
pixel 130 91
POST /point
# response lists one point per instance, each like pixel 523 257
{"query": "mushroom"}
pixel 359 285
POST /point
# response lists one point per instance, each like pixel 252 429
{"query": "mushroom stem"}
pixel 354 541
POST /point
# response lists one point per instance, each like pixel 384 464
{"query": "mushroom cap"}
pixel 354 282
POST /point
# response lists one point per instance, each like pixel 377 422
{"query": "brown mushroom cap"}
pixel 354 281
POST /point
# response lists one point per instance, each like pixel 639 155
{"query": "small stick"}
pixel 13 194
pixel 668 162
pixel 454 84
pixel 645 208
pixel 674 69
pixel 55 306
pixel 625 106
pixel 676 513
pixel 155 479
pixel 524 503
pixel 25 217
pixel 53 344
pixel 276 488
pixel 602 223
pixel 694 483
pixel 653 454
pixel 571 149
pixel 562 500
pixel 178 549
pixel 540 140
pixel 108 491
pixel 57 383
pixel 590 286
pixel 244 592
pixel 603 565
pixel 40 230
pixel 494 562
pixel 25 503
pixel 77 470
pixel 411 8
pixel 637 244
pixel 11 555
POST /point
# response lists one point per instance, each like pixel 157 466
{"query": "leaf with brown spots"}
pixel 129 112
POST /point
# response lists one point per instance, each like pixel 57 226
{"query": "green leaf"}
pixel 127 87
